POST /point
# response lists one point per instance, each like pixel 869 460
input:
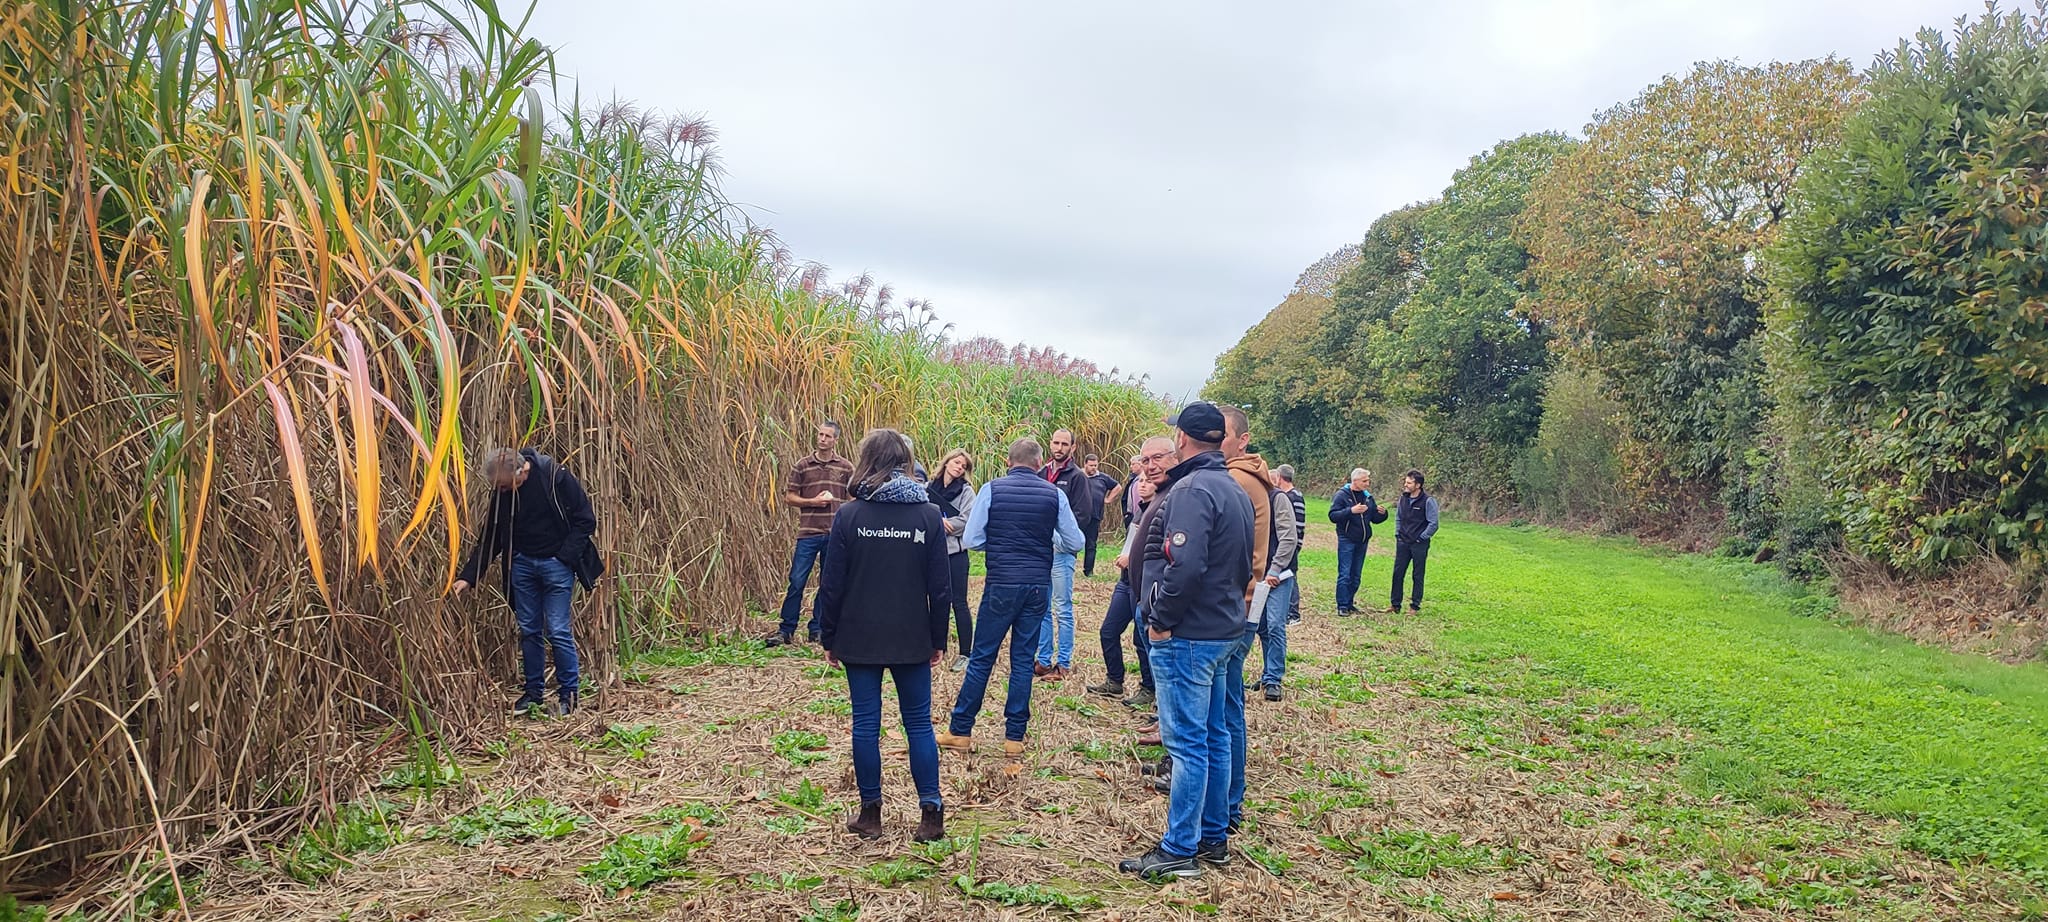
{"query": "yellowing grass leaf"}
pixel 302 489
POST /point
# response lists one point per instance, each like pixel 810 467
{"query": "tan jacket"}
pixel 1250 473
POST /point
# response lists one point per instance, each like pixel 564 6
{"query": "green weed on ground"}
pixel 637 860
pixel 509 821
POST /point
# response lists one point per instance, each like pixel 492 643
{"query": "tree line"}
pixel 1790 308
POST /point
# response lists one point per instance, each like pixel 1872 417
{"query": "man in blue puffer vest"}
pixel 1021 521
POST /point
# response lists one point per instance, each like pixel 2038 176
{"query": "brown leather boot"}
pixel 932 827
pixel 869 825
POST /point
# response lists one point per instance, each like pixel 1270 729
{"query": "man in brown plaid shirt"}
pixel 818 483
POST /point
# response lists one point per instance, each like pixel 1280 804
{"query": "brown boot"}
pixel 932 827
pixel 869 825
pixel 1013 748
pixel 962 743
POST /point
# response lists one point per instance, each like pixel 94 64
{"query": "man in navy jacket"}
pixel 1197 562
pixel 1022 520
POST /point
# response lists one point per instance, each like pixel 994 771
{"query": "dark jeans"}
pixel 963 616
pixel 1018 611
pixel 542 589
pixel 1123 614
pixel 1192 725
pixel 1350 560
pixel 914 701
pixel 1090 531
pixel 1406 552
pixel 809 552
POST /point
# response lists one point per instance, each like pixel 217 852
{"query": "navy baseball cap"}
pixel 1201 420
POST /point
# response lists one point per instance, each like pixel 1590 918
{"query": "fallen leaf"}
pixel 610 799
pixel 1506 895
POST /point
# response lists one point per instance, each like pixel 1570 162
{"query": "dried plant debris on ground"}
pixel 1393 782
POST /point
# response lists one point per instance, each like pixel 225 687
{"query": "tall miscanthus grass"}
pixel 273 272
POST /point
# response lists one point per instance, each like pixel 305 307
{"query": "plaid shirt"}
pixel 811 477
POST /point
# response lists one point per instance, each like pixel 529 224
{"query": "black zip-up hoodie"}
pixel 1198 553
pixel 1353 525
pixel 547 516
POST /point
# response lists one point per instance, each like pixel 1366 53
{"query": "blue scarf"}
pixel 897 489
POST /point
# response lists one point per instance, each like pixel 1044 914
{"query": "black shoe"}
pixel 1273 692
pixel 815 639
pixel 1216 853
pixel 1346 612
pixel 778 639
pixel 1163 783
pixel 1160 864
pixel 526 703
pixel 565 705
pixel 1293 619
pixel 1162 768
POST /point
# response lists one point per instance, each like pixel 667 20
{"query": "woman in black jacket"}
pixel 882 605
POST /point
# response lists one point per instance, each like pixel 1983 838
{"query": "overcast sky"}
pixel 1137 184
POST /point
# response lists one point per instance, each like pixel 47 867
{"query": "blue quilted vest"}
pixel 1023 513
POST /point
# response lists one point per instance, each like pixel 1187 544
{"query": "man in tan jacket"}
pixel 1274 536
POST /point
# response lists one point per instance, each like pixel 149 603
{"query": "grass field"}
pixel 1574 729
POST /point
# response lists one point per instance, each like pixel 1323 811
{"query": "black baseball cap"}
pixel 1201 420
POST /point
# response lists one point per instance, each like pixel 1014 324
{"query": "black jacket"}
pixel 1198 553
pixel 883 598
pixel 1350 524
pixel 547 516
pixel 1073 481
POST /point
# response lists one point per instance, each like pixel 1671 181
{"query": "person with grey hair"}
pixel 1021 520
pixel 1354 512
pixel 541 525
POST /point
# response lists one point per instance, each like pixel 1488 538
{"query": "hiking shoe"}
pixel 527 703
pixel 962 743
pixel 1013 748
pixel 1160 864
pixel 1294 618
pixel 1394 609
pixel 1041 670
pixel 959 664
pixel 931 827
pixel 565 705
pixel 1160 769
pixel 1273 692
pixel 1163 783
pixel 778 639
pixel 1143 699
pixel 869 824
pixel 1216 853
pixel 1106 687
pixel 1346 612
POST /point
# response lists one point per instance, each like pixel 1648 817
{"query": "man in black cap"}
pixel 1197 561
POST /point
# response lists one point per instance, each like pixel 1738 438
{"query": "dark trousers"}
pixel 809 553
pixel 963 617
pixel 1406 552
pixel 914 700
pixel 1016 611
pixel 1350 562
pixel 542 590
pixel 1090 531
pixel 1123 614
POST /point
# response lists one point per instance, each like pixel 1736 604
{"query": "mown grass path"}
pixel 1575 729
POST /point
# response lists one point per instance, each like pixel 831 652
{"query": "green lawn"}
pixel 1781 697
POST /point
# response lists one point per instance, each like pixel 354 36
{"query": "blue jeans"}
pixel 1190 675
pixel 1350 560
pixel 914 701
pixel 541 591
pixel 1059 605
pixel 1123 614
pixel 1273 630
pixel 1018 611
pixel 809 552
pixel 1233 725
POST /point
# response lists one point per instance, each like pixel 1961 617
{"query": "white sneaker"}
pixel 959 664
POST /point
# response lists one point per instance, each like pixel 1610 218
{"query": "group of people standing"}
pixel 1207 567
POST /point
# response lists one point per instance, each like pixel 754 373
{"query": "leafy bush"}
pixel 1912 297
pixel 536 818
pixel 637 860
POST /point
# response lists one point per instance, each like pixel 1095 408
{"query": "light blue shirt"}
pixel 1066 539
